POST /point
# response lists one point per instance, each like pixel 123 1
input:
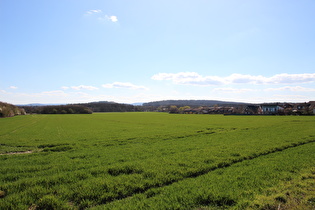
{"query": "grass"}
pixel 156 160
pixel 297 193
pixel 260 183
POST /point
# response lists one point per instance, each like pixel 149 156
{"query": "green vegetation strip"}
pixel 267 182
pixel 83 161
pixel 298 193
pixel 228 163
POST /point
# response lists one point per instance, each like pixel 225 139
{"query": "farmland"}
pixel 157 161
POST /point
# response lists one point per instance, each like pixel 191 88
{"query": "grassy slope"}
pixel 251 184
pixel 87 160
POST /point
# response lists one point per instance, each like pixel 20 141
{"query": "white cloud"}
pixel 52 93
pixel 54 96
pixel 290 88
pixel 233 90
pixel 193 78
pixel 189 78
pixel 64 87
pixel 93 11
pixel 84 87
pixel 276 79
pixel 98 14
pixel 80 87
pixel 125 85
pixel 112 18
pixel 13 87
pixel 57 93
pixel 177 77
pixel 289 98
pixel 243 78
pixel 292 78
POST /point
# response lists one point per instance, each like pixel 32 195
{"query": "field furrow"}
pixel 243 185
pixel 81 161
pixel 195 174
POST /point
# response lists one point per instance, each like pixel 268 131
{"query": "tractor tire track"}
pixel 220 165
pixel 26 124
pixel 18 153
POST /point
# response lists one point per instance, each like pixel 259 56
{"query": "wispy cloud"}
pixel 233 90
pixel 93 11
pixel 111 18
pixel 13 87
pixel 125 85
pixel 193 78
pixel 56 93
pixel 189 78
pixel 276 79
pixel 290 88
pixel 52 93
pixel 80 87
pixel 97 13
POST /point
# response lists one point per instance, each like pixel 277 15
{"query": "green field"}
pixel 157 161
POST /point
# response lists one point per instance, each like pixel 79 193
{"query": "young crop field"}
pixel 157 161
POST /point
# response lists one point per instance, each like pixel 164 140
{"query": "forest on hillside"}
pixel 105 106
pixel 9 110
pixel 57 109
pixel 191 103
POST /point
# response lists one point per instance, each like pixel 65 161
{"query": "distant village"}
pixel 170 106
pixel 307 108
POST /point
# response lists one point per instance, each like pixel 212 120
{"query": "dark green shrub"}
pixel 281 199
pixel 58 148
pixel 124 170
pixel 2 194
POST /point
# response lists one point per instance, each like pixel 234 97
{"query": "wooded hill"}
pixel 9 110
pixel 57 109
pixel 81 108
pixel 106 106
pixel 192 103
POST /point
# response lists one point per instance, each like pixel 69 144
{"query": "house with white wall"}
pixel 271 109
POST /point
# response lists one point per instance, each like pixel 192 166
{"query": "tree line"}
pixel 58 109
pixel 82 108
pixel 105 106
pixel 9 110
pixel 191 103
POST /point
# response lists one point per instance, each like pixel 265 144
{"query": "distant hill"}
pixel 137 104
pixel 56 109
pixel 80 108
pixel 36 104
pixel 191 103
pixel 9 110
pixel 107 106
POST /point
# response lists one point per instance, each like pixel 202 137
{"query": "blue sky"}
pixel 71 51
